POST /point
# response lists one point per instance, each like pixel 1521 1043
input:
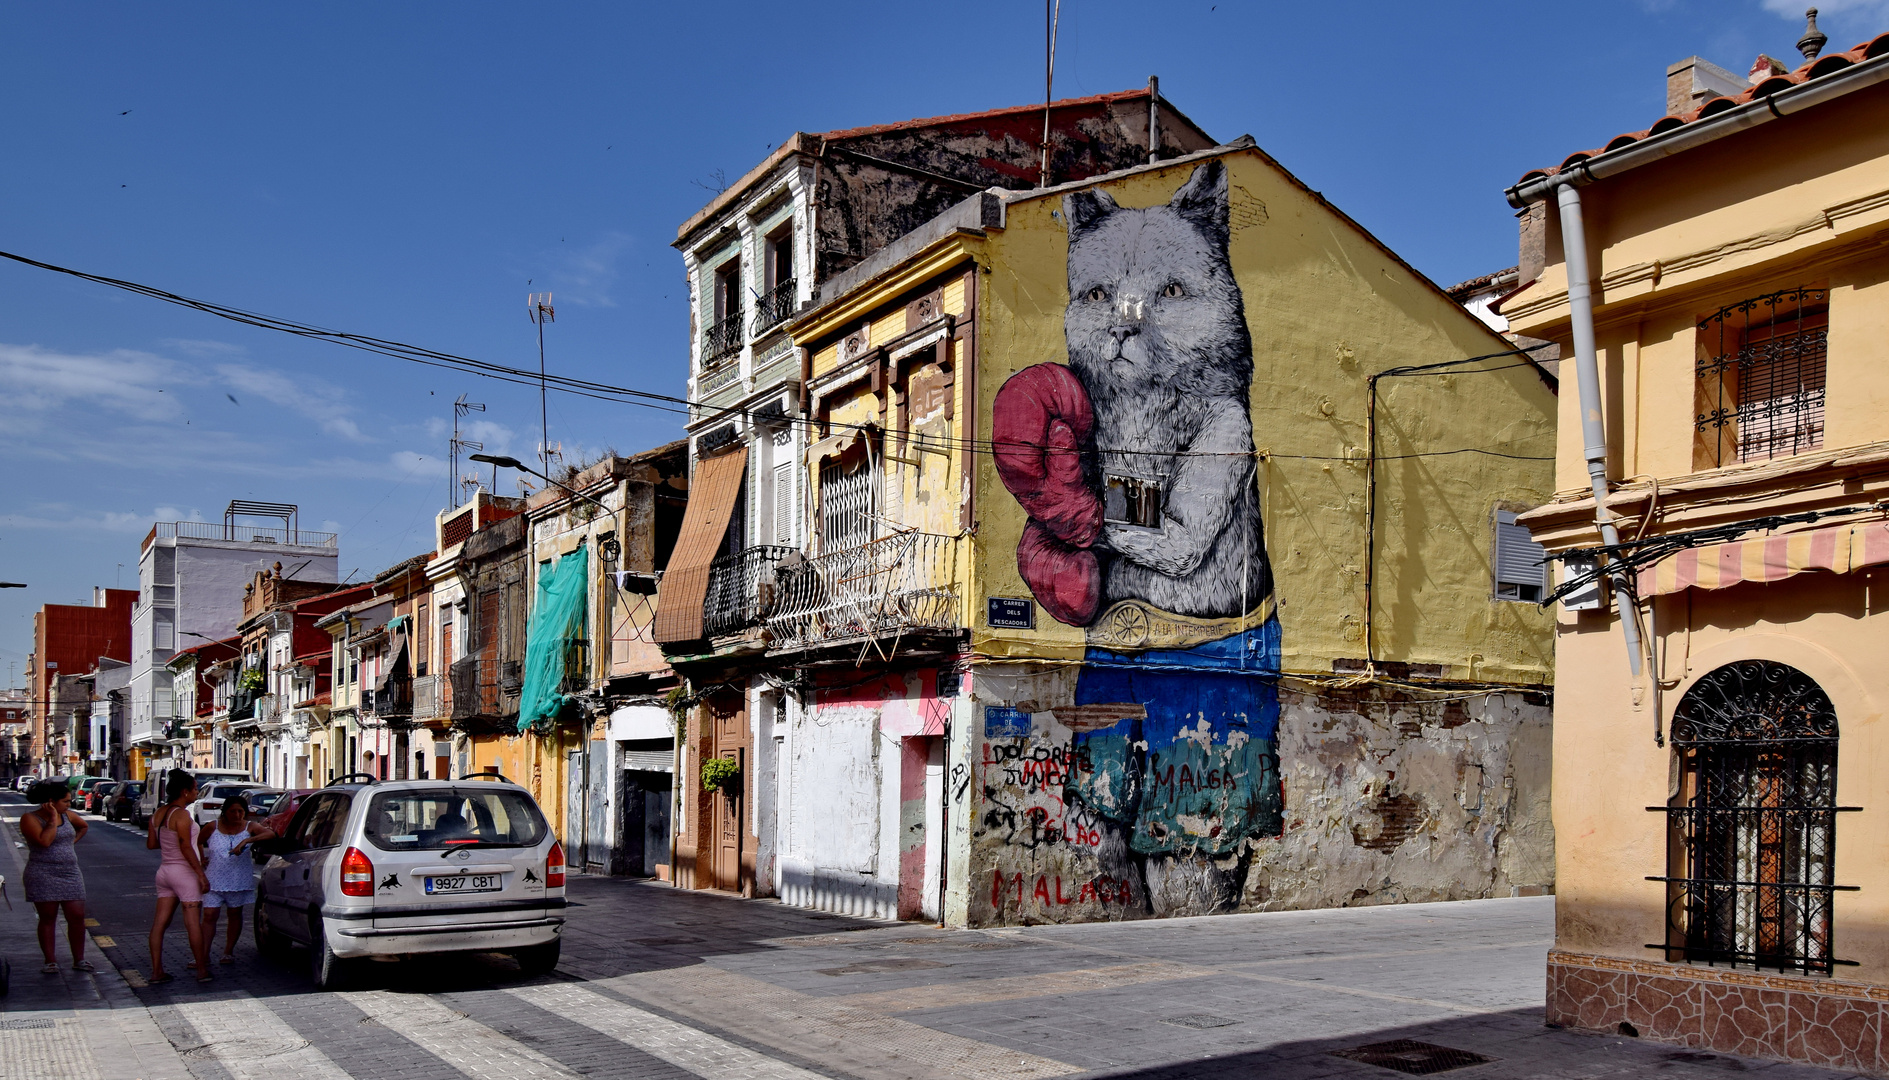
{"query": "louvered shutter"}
pixel 1518 559
pixel 784 504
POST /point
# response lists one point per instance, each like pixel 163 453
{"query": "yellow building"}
pixel 1719 759
pixel 1152 569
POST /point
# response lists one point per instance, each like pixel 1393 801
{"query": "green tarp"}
pixel 557 619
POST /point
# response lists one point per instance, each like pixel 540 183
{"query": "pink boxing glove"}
pixel 1066 580
pixel 1040 422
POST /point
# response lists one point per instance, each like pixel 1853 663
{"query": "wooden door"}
pixel 729 849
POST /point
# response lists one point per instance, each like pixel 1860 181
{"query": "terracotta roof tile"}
pixel 958 118
pixel 1814 69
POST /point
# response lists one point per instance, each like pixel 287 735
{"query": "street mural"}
pixel 1134 464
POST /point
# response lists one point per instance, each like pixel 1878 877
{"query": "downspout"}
pixel 1587 370
pixel 1154 119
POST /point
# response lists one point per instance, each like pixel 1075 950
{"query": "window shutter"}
pixel 1518 559
pixel 784 504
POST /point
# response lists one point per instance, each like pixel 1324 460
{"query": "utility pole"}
pixel 542 312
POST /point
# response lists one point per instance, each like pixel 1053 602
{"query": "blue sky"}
pixel 413 170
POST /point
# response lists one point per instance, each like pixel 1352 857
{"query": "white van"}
pixel 155 783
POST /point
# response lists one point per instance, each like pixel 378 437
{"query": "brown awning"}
pixel 713 492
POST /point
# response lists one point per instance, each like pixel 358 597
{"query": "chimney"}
pixel 1694 81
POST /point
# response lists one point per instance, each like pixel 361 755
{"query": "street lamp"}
pixel 504 462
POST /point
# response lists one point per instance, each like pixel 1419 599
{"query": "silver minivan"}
pixel 395 868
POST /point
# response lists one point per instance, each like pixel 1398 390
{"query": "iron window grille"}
pixel 1753 824
pixel 849 501
pixel 722 339
pixel 1761 369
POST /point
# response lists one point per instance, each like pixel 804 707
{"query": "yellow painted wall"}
pixel 1326 307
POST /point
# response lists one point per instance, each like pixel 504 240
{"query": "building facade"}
pixel 191 576
pixel 1719 794
pixel 68 640
pixel 1137 580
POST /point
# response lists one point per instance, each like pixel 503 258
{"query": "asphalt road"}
pixel 657 982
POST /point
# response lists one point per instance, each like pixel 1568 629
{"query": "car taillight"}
pixel 554 867
pixel 357 874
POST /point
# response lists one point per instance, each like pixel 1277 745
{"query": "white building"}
pixel 191 576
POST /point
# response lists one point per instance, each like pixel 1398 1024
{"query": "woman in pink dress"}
pixel 180 877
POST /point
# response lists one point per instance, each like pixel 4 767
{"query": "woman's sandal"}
pixel 49 969
pixel 83 965
pixel 156 979
pixel 228 958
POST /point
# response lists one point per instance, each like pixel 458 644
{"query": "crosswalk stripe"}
pixel 465 1044
pixel 678 1044
pixel 252 1043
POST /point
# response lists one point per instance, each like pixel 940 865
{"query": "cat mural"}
pixel 1135 463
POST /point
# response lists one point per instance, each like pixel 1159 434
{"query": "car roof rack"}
pixel 369 777
pixel 489 776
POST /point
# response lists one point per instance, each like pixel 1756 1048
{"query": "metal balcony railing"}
pixel 248 534
pixel 427 697
pixel 896 584
pixel 774 305
pixel 741 589
pixel 394 699
pixel 576 667
pixel 723 338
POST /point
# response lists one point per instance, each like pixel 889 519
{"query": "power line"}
pixel 683 406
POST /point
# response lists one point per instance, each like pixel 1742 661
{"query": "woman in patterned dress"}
pixel 230 868
pixel 52 879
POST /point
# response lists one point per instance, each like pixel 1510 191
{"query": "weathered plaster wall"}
pixel 1387 800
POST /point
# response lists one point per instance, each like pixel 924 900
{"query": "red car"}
pixel 285 808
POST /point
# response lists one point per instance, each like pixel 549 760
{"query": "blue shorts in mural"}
pixel 1199 774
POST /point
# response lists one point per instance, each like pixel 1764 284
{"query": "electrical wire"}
pixel 669 403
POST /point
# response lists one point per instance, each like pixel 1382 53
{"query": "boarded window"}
pixel 1520 572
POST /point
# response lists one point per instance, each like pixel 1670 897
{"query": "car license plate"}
pixel 465 883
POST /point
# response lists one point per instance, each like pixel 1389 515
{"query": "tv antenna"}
pixel 455 484
pixel 542 312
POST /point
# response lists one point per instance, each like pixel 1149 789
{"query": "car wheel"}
pixel 539 959
pixel 329 971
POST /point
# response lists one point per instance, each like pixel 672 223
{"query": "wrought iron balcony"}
pixel 427 697
pixel 775 305
pixel 897 584
pixel 393 699
pixel 724 338
pixel 741 589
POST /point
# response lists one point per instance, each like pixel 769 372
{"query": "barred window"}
pixel 1754 821
pixel 1760 368
pixel 849 500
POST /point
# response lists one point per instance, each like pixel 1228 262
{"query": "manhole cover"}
pixel 1200 1020
pixel 246 1049
pixel 871 967
pixel 1413 1058
pixel 24 1025
pixel 679 940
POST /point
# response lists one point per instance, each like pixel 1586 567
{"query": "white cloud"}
pixel 202 348
pixel 66 518
pixel 415 466
pixel 585 275
pixel 319 401
pixel 1794 10
pixel 122 380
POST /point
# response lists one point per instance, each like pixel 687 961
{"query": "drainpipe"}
pixel 1587 368
pixel 1154 119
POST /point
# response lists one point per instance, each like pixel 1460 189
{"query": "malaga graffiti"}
pixel 1134 463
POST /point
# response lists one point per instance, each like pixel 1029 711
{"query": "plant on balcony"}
pixel 251 680
pixel 721 774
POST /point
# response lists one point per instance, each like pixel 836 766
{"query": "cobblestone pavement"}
pixel 666 984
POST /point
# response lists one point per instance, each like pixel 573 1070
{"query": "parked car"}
pixel 123 804
pixel 211 803
pixel 25 782
pixel 82 791
pixel 284 810
pixel 153 796
pixel 261 802
pixel 398 868
pixel 97 794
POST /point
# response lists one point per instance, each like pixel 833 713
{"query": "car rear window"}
pixel 224 791
pixel 440 819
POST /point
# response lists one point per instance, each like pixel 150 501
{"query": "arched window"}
pixel 1754 821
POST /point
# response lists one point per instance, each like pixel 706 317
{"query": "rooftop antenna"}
pixel 454 483
pixel 1052 14
pixel 542 312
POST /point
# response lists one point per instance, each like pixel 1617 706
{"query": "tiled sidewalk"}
pixel 73 1024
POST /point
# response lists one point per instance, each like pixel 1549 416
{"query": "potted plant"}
pixel 723 775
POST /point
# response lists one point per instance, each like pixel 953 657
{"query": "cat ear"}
pixel 1085 208
pixel 1203 199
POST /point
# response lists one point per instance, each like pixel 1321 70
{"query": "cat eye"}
pixel 1097 294
pixel 1174 289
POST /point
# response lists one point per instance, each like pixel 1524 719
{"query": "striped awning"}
pixel 1839 549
